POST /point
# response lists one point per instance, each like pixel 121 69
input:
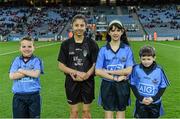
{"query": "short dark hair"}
pixel 147 51
pixel 26 38
pixel 79 16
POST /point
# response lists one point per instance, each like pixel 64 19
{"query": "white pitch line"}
pixel 168 45
pixel 41 46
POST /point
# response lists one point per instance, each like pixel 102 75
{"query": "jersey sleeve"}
pixel 14 66
pixel 62 57
pixel 133 77
pixel 164 81
pixel 130 58
pixel 39 65
pixel 100 59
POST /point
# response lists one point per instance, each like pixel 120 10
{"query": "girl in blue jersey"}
pixel 25 72
pixel 148 83
pixel 114 64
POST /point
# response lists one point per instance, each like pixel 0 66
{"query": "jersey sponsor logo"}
pixel 78 49
pixel 26 79
pixel 115 67
pixel 77 61
pixel 146 89
pixel 71 53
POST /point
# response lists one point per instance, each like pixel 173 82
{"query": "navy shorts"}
pixel 147 111
pixel 77 92
pixel 26 105
pixel 115 95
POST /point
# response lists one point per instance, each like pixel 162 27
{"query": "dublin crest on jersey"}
pixel 123 59
pixel 31 67
pixel 155 81
pixel 84 53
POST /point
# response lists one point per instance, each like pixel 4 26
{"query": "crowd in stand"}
pixel 34 21
pixel 166 17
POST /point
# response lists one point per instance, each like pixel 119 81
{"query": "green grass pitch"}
pixel 53 95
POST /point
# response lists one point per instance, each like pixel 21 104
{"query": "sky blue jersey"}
pixel 110 60
pixel 26 84
pixel 149 84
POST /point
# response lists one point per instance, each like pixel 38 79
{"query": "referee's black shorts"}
pixel 27 105
pixel 147 111
pixel 77 92
pixel 115 95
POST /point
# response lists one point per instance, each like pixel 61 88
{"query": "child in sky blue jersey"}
pixel 25 71
pixel 114 64
pixel 148 83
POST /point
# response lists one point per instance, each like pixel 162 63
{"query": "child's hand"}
pixel 147 100
pixel 73 76
pixel 120 78
pixel 83 75
pixel 77 76
pixel 150 100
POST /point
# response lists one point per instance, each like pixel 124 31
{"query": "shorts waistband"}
pixel 28 93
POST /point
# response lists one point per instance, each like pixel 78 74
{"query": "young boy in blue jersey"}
pixel 148 83
pixel 25 71
pixel 114 64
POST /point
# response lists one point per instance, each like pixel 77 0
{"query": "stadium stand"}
pixel 163 20
pixel 53 23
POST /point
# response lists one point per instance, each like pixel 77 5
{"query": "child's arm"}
pixel 136 93
pixel 120 78
pixel 91 70
pixel 104 74
pixel 72 72
pixel 86 75
pixel 149 100
pixel 122 72
pixel 66 69
pixel 158 95
pixel 140 98
pixel 31 73
pixel 16 75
